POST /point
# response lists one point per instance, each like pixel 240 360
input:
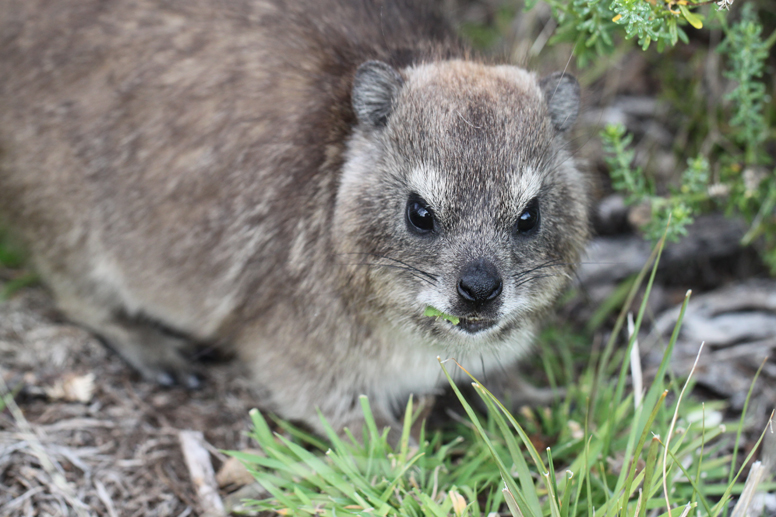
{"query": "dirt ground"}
pixel 91 421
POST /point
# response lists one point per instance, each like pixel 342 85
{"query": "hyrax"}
pixel 295 180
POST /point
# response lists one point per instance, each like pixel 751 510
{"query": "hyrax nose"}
pixel 480 282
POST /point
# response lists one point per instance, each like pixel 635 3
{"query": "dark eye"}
pixel 529 219
pixel 420 218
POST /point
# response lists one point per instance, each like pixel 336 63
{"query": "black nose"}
pixel 479 282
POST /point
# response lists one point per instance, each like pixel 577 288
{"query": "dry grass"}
pixel 119 453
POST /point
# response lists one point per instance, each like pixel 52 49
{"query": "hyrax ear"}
pixel 375 89
pixel 561 93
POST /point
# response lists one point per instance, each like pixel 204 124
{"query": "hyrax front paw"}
pixel 162 360
pixel 158 356
pixel 170 370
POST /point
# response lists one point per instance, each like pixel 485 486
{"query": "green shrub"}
pixel 743 181
pixel 735 173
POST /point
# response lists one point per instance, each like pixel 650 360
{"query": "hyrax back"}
pixel 296 180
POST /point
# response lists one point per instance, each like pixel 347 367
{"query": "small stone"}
pixel 233 473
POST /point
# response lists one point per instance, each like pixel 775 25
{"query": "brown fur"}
pixel 196 171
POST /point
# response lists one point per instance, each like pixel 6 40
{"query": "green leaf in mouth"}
pixel 436 313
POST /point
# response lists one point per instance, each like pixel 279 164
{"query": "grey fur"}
pixel 561 92
pixel 195 171
pixel 375 88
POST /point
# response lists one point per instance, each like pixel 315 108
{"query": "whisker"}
pixel 543 265
pixel 424 273
pixel 377 255
pixel 500 363
pixel 556 263
pixel 392 266
pixel 484 371
pixel 583 291
pixel 535 277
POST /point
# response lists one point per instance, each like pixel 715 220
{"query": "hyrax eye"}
pixel 420 218
pixel 528 221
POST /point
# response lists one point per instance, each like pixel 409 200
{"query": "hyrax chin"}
pixel 297 181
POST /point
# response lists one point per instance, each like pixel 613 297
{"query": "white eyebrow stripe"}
pixel 428 183
pixel 525 185
pixel 432 185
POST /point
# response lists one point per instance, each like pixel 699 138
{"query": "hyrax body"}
pixel 295 180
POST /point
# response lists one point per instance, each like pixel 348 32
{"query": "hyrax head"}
pixel 458 193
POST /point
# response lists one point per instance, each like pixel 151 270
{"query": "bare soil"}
pixel 116 453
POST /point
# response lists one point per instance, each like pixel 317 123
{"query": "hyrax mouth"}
pixel 471 325
pixel 474 325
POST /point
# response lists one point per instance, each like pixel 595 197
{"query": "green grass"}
pixel 11 254
pixel 607 456
pixel 12 257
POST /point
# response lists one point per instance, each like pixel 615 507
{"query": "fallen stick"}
pixel 201 471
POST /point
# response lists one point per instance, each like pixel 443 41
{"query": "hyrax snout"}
pixel 297 181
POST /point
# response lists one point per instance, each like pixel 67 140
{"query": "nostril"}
pixel 480 282
pixel 496 291
pixel 465 291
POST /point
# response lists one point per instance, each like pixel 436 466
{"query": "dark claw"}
pixel 193 381
pixel 165 379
